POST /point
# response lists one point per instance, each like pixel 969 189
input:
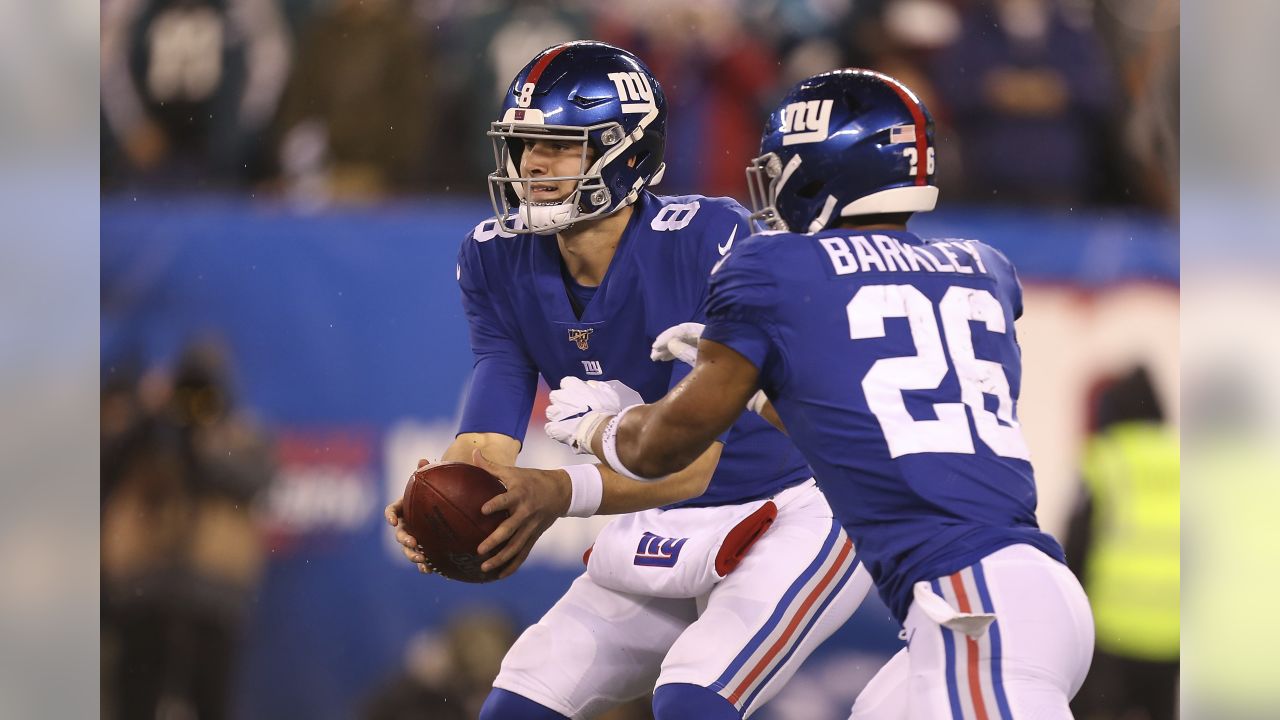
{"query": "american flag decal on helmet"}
pixel 901 134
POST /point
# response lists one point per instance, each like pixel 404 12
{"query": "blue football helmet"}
pixel 593 94
pixel 842 144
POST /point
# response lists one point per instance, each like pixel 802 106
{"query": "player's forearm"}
pixel 652 442
pixel 497 447
pixel 623 495
pixel 667 436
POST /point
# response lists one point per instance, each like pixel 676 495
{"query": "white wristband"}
pixel 609 444
pixel 587 488
pixel 586 430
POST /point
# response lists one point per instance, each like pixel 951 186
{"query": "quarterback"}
pixel 716 581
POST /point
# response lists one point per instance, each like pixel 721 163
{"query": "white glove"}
pixel 680 342
pixel 579 406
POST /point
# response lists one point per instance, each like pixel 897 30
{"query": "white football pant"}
pixel 1026 665
pixel 598 647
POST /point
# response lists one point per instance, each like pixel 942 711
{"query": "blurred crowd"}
pixel 181 554
pixel 448 672
pixel 1054 103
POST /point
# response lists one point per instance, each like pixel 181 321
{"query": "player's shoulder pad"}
pixel 696 212
pixel 744 282
pixel 754 253
pixel 990 250
pixel 994 259
pixel 768 243
pixel 490 229
pixel 481 250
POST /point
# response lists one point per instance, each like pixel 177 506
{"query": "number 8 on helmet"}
pixel 617 118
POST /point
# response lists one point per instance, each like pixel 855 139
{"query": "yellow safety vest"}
pixel 1132 572
pixel 1232 492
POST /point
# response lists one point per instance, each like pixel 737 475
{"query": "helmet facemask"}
pixel 508 189
pixel 765 175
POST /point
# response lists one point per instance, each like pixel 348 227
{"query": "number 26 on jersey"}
pixel 888 377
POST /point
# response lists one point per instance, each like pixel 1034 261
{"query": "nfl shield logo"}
pixel 580 337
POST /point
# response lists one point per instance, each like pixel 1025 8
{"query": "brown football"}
pixel 442 512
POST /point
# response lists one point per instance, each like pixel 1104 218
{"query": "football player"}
pixel 893 363
pixel 574 278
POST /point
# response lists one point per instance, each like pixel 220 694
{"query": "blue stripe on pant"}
pixel 780 610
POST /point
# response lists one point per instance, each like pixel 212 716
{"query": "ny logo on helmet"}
pixel 634 91
pixel 806 121
pixel 581 337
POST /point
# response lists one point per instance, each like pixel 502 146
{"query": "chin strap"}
pixel 547 216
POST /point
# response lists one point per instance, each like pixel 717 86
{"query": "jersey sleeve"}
pixel 1015 292
pixel 1007 277
pixel 504 379
pixel 740 306
pixel 730 225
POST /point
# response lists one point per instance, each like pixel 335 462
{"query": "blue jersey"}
pixel 894 365
pixel 523 323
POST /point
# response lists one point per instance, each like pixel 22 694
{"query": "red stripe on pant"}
pixel 971 648
pixel 791 627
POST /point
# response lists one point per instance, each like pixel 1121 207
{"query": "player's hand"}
pixel 408 544
pixel 679 342
pixel 578 407
pixel 535 498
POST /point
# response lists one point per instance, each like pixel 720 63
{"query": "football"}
pixel 442 512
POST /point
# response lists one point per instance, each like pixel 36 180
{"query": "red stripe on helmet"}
pixel 543 62
pixel 917 118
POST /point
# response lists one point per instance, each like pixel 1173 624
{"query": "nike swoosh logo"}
pixel 716 268
pixel 724 247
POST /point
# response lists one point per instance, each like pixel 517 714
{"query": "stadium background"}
pixel 284 188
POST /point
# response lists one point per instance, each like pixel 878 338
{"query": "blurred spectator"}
pixel 1030 96
pixel 1050 102
pixel 1124 545
pixel 188 87
pixel 180 553
pixel 901 39
pixel 1142 36
pixel 718 77
pixel 446 677
pixel 484 43
pixel 353 122
pixel 1232 474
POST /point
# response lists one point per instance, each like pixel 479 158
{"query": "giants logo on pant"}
pixel 655 551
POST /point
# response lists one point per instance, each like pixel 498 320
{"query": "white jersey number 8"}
pixel 888 377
